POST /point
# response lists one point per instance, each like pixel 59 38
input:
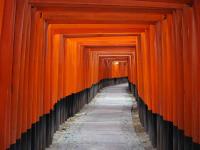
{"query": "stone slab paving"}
pixel 104 124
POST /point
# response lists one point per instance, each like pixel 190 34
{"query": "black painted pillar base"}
pixel 163 134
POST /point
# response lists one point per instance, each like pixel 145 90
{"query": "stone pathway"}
pixel 105 124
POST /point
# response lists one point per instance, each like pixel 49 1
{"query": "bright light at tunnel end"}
pixel 116 62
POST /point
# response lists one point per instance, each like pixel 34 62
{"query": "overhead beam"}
pixel 90 17
pixel 69 29
pixel 131 3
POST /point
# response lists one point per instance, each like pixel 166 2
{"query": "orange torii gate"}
pixel 43 49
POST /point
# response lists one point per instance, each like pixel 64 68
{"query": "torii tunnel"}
pixel 56 55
